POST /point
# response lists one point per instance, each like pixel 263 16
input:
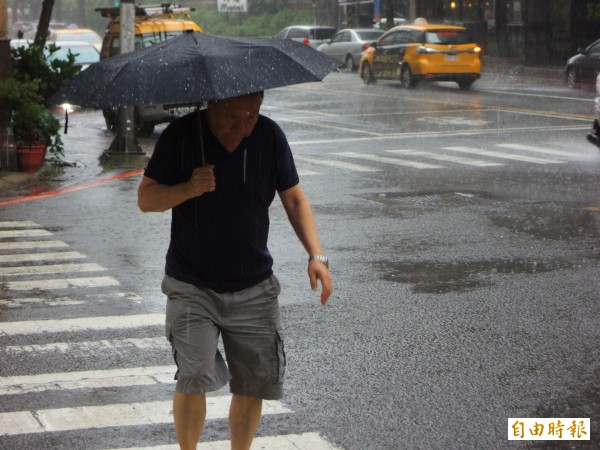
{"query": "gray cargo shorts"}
pixel 249 324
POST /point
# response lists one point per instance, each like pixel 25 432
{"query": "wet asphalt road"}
pixel 465 292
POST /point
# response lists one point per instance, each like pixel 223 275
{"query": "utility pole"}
pixel 125 142
pixel 8 155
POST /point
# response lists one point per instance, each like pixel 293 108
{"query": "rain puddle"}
pixel 550 220
pixel 434 277
pixel 434 199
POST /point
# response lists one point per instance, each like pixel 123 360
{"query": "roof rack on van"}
pixel 147 10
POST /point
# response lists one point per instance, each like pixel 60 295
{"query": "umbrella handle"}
pixel 200 136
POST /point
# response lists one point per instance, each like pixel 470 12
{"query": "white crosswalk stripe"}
pixel 449 158
pixel 337 164
pixel 502 155
pixel 23 260
pixel 50 268
pixel 496 155
pixel 396 161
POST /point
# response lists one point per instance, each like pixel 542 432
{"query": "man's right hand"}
pixel 201 181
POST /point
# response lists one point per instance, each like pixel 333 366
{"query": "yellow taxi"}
pixel 153 24
pixel 76 34
pixel 422 51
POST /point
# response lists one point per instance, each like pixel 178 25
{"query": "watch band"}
pixel 320 258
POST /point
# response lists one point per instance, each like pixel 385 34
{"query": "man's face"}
pixel 233 119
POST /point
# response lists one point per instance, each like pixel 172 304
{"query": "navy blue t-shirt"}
pixel 219 240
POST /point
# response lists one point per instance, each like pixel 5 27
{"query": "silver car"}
pixel 347 45
pixel 312 35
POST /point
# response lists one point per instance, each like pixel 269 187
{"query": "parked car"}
pixel 153 24
pixel 594 135
pixel 347 45
pixel 84 52
pixel 412 53
pixel 582 69
pixel 313 35
pixel 76 34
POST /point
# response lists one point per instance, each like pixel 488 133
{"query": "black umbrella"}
pixel 193 68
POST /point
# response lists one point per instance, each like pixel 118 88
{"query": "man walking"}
pixel 218 171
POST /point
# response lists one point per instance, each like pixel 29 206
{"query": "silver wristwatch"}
pixel 320 258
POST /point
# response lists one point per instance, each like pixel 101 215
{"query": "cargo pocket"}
pixel 281 361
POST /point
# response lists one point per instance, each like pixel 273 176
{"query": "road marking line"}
pixel 51 256
pixel 531 148
pixel 312 441
pixel 39 301
pixel 449 158
pixel 134 376
pixel 397 161
pixel 116 415
pixel 493 154
pixel 305 173
pixel 17 223
pixel 337 164
pixel 66 283
pixel 89 347
pixel 31 244
pixel 66 300
pixel 24 233
pixel 51 268
pixel 80 324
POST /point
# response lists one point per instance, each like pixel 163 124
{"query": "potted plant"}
pixel 35 76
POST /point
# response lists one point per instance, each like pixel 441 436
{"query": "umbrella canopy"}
pixel 192 68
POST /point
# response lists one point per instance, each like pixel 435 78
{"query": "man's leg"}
pixel 244 418
pixel 189 412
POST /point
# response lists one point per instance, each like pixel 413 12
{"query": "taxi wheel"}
pixel 406 77
pixel 465 85
pixel 366 73
pixel 145 129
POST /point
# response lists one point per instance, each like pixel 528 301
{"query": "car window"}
pixel 594 49
pixel 297 33
pixel 417 37
pixel 83 54
pixel 388 39
pixel 340 37
pixel 446 37
pixel 402 37
pixel 369 35
pixel 322 33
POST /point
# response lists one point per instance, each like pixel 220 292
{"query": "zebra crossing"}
pixel 40 273
pixel 445 157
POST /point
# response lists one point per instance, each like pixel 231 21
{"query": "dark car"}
pixel 594 135
pixel 583 68
pixel 313 35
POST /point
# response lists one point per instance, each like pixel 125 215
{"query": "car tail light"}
pixel 306 41
pixel 365 46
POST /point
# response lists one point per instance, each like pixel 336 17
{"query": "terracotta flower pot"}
pixel 31 157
